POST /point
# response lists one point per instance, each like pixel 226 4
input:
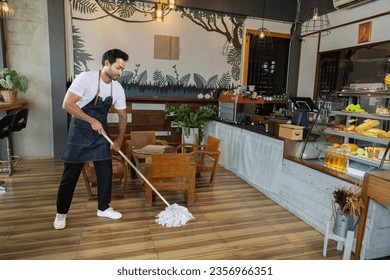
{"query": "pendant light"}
pixel 172 4
pixel 318 23
pixel 159 11
pixel 6 9
pixel 263 39
pixel 228 46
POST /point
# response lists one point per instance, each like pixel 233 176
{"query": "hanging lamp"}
pixel 172 4
pixel 263 39
pixel 229 46
pixel 159 11
pixel 6 9
pixel 318 23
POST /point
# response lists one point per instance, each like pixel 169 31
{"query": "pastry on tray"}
pixel 382 111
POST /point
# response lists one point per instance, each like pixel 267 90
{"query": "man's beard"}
pixel 111 76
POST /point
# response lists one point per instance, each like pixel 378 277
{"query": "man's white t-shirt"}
pixel 85 85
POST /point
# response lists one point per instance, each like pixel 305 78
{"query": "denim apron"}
pixel 84 143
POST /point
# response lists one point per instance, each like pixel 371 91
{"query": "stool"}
pixel 345 242
pixel 19 122
pixel 5 132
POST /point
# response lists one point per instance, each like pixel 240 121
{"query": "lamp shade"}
pixel 317 23
pixel 6 9
pixel 172 4
pixel 159 11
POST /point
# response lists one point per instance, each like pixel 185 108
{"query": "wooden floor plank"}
pixel 233 221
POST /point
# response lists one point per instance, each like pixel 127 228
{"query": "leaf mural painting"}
pixel 171 83
pixel 80 56
pixel 127 77
pixel 199 80
pixel 184 80
pixel 212 82
pixel 158 78
pixel 225 81
pixel 142 78
pixel 170 80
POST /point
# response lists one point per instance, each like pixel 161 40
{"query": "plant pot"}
pixel 193 138
pixel 9 96
pixel 342 223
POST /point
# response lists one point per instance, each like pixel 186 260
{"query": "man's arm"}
pixel 70 105
pixel 122 125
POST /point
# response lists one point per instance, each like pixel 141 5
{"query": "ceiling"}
pixel 281 10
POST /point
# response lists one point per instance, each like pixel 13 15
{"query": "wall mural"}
pixel 130 25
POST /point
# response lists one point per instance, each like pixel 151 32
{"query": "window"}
pixel 267 69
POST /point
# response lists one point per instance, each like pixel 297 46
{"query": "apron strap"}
pixel 98 89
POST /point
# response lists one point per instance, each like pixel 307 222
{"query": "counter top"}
pixel 261 130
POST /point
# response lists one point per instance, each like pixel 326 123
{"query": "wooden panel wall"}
pixel 154 119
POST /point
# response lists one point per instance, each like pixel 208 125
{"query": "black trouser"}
pixel 70 176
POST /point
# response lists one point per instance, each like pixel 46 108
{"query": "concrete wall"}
pixel 27 51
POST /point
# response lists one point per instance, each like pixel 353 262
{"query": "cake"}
pixel 382 111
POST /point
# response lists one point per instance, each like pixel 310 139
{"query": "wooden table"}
pixel 7 106
pixel 145 156
pixel 376 185
pixel 142 153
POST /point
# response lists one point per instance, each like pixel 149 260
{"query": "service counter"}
pixel 305 190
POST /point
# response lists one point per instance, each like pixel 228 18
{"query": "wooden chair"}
pixel 170 172
pixel 119 177
pixel 139 139
pixel 206 156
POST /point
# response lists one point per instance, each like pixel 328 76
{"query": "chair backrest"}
pixel 142 138
pixel 170 165
pixel 5 123
pixel 20 120
pixel 212 144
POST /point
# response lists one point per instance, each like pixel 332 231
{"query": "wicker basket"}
pixel 9 96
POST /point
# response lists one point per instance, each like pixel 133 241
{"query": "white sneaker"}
pixel 109 213
pixel 60 221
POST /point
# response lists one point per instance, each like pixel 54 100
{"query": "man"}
pixel 88 100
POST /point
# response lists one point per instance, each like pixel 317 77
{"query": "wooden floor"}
pixel 233 221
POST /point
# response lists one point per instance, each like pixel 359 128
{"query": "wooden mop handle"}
pixel 136 170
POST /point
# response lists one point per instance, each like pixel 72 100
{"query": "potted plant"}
pixel 349 203
pixel 10 83
pixel 182 117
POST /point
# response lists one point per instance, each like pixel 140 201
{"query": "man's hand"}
pixel 97 126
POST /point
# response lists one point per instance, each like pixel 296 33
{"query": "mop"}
pixel 174 215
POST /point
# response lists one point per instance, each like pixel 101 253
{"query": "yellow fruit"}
pixel 336 145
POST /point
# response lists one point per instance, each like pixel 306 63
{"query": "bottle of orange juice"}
pixel 327 158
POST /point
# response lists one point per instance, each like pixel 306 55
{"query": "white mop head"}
pixel 174 216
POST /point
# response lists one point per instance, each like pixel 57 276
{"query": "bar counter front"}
pixel 302 188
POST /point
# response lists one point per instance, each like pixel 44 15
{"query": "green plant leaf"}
pixel 21 83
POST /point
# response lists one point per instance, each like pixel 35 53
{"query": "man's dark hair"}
pixel 113 54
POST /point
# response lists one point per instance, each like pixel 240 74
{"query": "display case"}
pixel 352 140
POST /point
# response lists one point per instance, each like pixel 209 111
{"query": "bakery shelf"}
pixel 358 136
pixel 361 159
pixel 361 115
